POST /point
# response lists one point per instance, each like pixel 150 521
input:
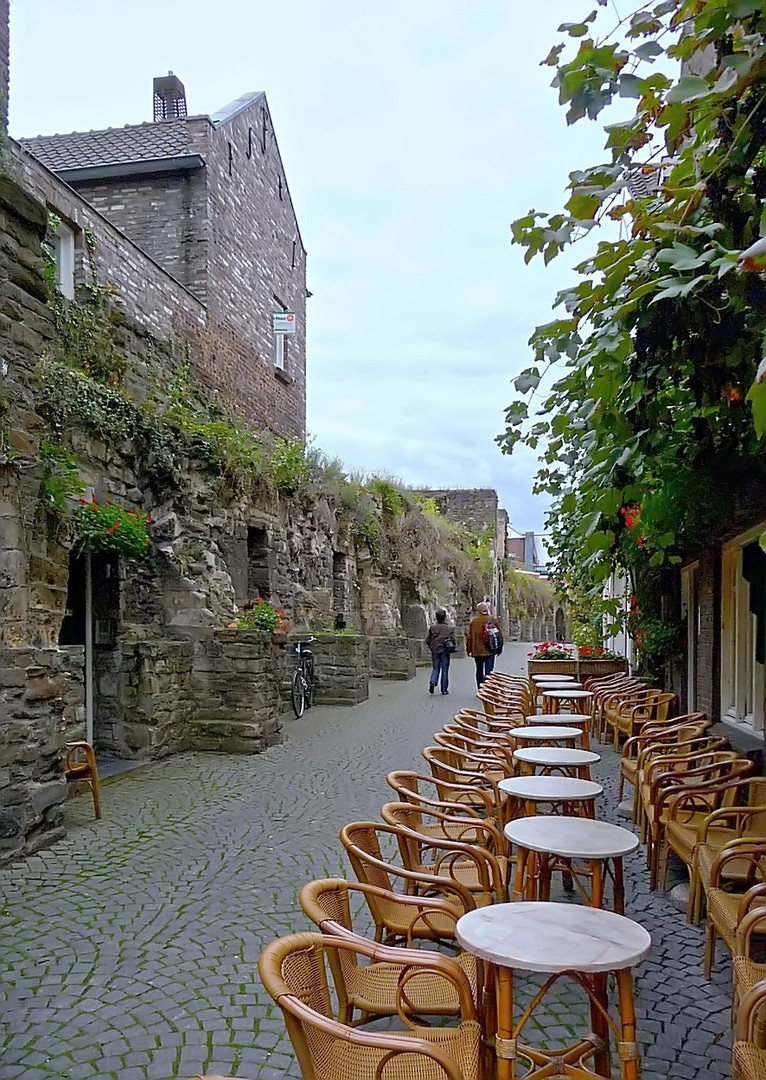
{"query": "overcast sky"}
pixel 412 133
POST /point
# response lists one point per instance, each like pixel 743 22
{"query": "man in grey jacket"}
pixel 440 640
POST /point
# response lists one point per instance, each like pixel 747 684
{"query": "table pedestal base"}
pixel 568 1061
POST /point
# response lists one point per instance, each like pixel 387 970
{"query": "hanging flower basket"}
pixel 109 527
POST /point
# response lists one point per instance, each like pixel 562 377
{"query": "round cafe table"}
pixel 563 794
pixel 545 733
pixel 558 678
pixel 567 719
pixel 559 759
pixel 584 944
pixel 544 846
pixel 578 699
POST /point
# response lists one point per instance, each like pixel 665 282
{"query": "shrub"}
pixel 261 615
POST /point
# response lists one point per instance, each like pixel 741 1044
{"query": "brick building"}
pixel 206 199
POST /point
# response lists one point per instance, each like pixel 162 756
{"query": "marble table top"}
pixel 544 936
pixel 563 694
pixel 564 756
pixel 544 733
pixel 560 718
pixel 570 837
pixel 550 789
pixel 559 678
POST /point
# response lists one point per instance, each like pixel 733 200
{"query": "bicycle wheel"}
pixel 308 678
pixel 298 693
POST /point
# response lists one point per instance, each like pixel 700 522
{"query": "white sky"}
pixel 412 133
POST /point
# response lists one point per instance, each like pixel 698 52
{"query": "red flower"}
pixel 83 501
pixel 94 501
pixel 110 530
pixel 108 502
pixel 149 520
pixel 259 600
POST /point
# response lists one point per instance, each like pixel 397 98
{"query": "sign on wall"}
pixel 284 322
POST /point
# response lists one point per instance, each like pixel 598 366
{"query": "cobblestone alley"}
pixel 129 950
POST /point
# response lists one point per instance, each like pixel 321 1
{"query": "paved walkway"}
pixel 129 949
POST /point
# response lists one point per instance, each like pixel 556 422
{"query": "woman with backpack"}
pixel 441 641
pixel 484 641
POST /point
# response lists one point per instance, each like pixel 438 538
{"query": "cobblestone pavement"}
pixel 129 949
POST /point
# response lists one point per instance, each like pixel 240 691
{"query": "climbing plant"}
pixel 658 340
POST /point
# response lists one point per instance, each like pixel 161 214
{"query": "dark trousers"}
pixel 441 668
pixel 484 664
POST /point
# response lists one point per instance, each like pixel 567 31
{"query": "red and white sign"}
pixel 285 322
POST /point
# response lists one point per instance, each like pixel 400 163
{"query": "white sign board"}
pixel 284 322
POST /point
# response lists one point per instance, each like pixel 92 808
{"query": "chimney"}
pixel 169 98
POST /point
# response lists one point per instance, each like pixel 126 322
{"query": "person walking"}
pixel 440 640
pixel 476 642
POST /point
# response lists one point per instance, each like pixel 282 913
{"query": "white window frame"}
pixel 692 616
pixel 63 254
pixel 280 352
pixel 742 677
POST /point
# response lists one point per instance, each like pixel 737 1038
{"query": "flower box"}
pixel 582 669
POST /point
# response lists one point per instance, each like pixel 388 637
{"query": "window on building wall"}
pixel 62 245
pixel 281 349
pixel 743 629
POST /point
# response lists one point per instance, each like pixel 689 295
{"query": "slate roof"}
pixel 135 142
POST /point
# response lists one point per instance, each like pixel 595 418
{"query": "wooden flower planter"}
pixel 582 669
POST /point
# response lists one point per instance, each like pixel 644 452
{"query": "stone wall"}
pixel 4 62
pixel 41 708
pixel 341 668
pixel 393 657
pixel 236 693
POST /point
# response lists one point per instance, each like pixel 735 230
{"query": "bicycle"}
pixel 302 689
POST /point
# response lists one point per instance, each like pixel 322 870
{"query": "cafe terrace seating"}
pixel 434 874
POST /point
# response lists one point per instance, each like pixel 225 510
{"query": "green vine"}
pixel 660 336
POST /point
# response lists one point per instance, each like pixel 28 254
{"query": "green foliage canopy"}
pixel 658 341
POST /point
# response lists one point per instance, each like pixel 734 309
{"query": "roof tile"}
pixel 134 142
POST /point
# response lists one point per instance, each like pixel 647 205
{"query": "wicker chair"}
pixel 425 849
pixel 393 920
pixel 606 689
pixel 704 779
pixel 749 1059
pixel 727 911
pixel 744 820
pixel 294 971
pixel 629 715
pixel 447 766
pixel 500 723
pixel 747 972
pixel 686 824
pixel 371 988
pixel 492 764
pixel 464 799
pixel 683 728
pixel 479 742
pixel 437 824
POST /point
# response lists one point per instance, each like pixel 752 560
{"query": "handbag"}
pixel 450 645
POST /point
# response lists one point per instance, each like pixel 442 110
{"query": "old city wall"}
pixel 167 672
